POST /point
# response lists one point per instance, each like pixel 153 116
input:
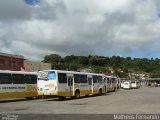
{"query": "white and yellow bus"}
pixel 135 84
pixel 111 83
pixel 17 84
pixel 69 83
pixel 127 85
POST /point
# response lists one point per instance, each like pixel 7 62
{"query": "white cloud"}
pixel 79 27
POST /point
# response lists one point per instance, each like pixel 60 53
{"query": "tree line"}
pixel 101 64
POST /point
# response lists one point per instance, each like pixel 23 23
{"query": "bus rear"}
pixel 47 83
pixel 127 85
pixel 135 84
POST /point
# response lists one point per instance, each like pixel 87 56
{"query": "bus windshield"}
pixel 46 75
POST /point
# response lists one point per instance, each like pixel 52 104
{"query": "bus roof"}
pixel 75 72
pixel 110 76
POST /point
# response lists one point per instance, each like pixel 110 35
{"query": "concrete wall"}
pixel 35 66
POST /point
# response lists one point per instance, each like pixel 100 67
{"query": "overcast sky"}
pixel 80 27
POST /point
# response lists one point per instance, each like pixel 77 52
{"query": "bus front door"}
pixel 105 85
pixel 70 85
pixel 109 85
pixel 90 85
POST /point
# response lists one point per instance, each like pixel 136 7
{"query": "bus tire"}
pixel 62 98
pixel 100 91
pixel 42 97
pixel 114 89
pixel 87 95
pixel 29 98
pixel 77 94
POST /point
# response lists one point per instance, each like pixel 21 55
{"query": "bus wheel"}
pixel 62 98
pixel 29 98
pixel 77 94
pixel 100 91
pixel 114 89
pixel 86 95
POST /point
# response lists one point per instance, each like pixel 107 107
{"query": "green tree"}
pixel 155 75
pixel 83 60
pixel 73 67
pixel 54 59
pixel 71 59
pixel 116 61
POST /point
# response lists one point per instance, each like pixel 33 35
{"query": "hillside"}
pixel 116 65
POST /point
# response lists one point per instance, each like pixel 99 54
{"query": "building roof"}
pixel 11 55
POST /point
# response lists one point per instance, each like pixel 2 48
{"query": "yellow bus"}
pixel 135 84
pixel 17 84
pixel 69 83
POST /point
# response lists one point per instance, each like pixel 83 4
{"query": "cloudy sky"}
pixel 34 28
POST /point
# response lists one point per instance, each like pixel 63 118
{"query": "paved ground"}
pixel 143 100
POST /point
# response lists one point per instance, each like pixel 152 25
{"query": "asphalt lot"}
pixel 135 101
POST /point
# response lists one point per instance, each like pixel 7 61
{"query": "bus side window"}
pixel 100 80
pixel 76 78
pixel 89 81
pixel 83 78
pixel 105 80
pixel 5 78
pixel 30 79
pixel 113 80
pixel 34 79
pixel 95 79
pixel 62 78
pixel 108 81
pixel 18 79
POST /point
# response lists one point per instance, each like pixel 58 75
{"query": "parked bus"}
pixel 135 84
pixel 127 85
pixel 17 84
pixel 122 83
pixel 111 82
pixel 69 83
